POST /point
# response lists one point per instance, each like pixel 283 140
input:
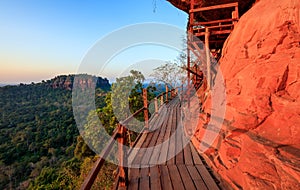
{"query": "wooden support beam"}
pixel 123 177
pixel 214 32
pixel 220 26
pixel 88 182
pixel 156 104
pixel 146 111
pixel 207 57
pixel 167 92
pixel 212 22
pixel 236 9
pixel 214 7
pixel 188 73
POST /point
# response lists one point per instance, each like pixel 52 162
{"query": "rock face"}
pixel 259 143
pixel 83 81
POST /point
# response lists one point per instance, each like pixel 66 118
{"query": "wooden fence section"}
pixel 214 27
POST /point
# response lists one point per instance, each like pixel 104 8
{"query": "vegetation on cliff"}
pixel 40 143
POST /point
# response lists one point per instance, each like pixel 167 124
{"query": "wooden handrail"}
pixel 228 5
pixel 88 182
pixel 128 119
pixel 146 111
pixel 212 22
pixel 215 27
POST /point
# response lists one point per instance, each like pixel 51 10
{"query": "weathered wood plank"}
pixel 207 178
pixel 155 182
pixel 165 178
pixel 197 179
pixel 144 182
pixel 149 151
pixel 186 178
pixel 188 158
pixel 155 156
pixel 134 175
pixel 175 177
pixel 196 158
pixel 173 140
pixel 138 158
pixel 179 140
pixel 165 146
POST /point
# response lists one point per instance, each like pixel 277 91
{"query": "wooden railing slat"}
pixel 228 5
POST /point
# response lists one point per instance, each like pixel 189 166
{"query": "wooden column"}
pixel 161 100
pixel 235 14
pixel 156 104
pixel 189 41
pixel 167 92
pixel 122 156
pixel 146 116
pixel 188 92
pixel 236 9
pixel 207 50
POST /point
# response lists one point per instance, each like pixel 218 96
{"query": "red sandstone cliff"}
pixel 259 144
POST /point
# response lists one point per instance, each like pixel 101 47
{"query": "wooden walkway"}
pixel 154 167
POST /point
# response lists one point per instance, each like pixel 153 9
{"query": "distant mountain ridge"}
pixel 1 85
pixel 66 82
pixel 82 81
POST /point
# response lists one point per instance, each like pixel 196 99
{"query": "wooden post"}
pixel 122 156
pixel 207 57
pixel 235 14
pixel 167 92
pixel 161 100
pixel 236 9
pixel 189 41
pixel 146 116
pixel 156 104
pixel 192 13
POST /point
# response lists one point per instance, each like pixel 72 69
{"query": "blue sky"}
pixel 40 39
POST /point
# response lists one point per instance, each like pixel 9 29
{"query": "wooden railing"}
pixel 119 134
pixel 215 27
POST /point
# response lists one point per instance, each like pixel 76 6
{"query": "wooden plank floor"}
pixel 156 168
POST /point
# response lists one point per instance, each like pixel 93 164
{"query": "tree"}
pixel 171 73
pixel 124 94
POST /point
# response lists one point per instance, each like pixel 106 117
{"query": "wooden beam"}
pixel 207 57
pixel 167 92
pixel 212 22
pixel 214 7
pixel 156 104
pixel 88 182
pixel 214 32
pixel 122 156
pixel 220 26
pixel 146 112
